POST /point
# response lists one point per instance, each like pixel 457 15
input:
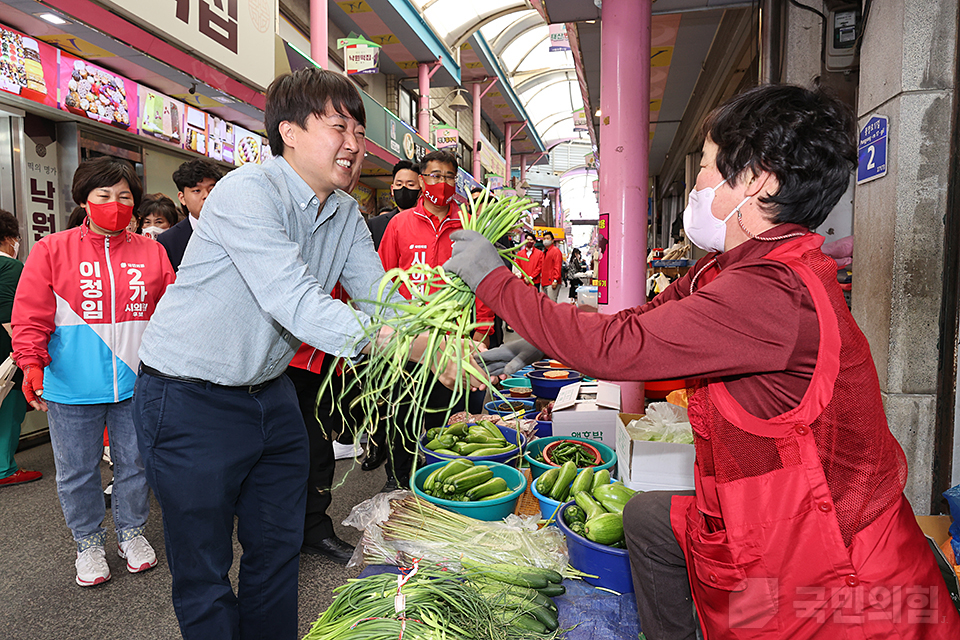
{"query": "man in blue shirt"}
pixel 220 429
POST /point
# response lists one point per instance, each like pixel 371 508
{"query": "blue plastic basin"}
pixel 611 566
pixel 510 457
pixel 489 510
pixel 548 388
pixel 491 406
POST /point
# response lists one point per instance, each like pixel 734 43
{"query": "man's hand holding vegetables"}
pixel 451 369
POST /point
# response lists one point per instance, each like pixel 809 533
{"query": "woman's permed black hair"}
pixel 806 138
pixel 105 171
pixel 9 227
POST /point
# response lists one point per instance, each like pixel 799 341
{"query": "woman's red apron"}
pixel 786 537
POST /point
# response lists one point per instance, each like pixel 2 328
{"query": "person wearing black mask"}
pixel 406 192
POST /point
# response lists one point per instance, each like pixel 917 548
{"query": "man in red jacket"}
pixel 421 235
pixel 552 263
pixel 530 259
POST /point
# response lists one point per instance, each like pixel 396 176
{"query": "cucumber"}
pixel 526 622
pixel 589 505
pixel 600 478
pixel 507 573
pixel 488 488
pixel 498 589
pixel 546 480
pixel 553 590
pixel 583 481
pixel 606 528
pixel 568 472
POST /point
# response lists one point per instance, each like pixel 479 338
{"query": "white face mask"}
pixel 152 232
pixel 699 223
pixel 547 242
pixel 16 248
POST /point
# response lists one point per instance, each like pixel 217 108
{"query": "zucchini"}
pixel 623 490
pixel 446 452
pixel 494 451
pixel 497 496
pixel 589 505
pixel 546 480
pixel 611 505
pixel 606 528
pixel 488 488
pixel 610 498
pixel 456 429
pixel 583 481
pixel 600 478
pixel 567 473
pixel 574 514
pixel 453 467
pixel 429 482
pixel 466 448
pixel 467 480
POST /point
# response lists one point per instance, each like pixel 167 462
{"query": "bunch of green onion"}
pixel 443 308
pixel 437 605
pixel 420 529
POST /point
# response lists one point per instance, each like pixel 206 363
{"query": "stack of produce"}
pixel 461 481
pixel 430 603
pixel 415 528
pixel 598 514
pixel 474 440
pixel 562 482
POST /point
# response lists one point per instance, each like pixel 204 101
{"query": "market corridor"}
pixel 39 598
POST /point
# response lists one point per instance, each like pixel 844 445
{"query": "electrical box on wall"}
pixel 843 29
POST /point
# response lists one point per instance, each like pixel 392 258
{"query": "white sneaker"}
pixel 92 567
pixel 138 553
pixel 106 455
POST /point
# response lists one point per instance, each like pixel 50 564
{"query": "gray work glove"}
pixel 473 258
pixel 510 357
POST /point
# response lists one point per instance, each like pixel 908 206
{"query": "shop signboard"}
pixel 196 132
pixel 558 233
pixel 246 149
pixel 603 228
pixel 217 139
pixel 359 55
pixel 28 68
pixel 490 159
pixel 161 116
pixel 95 93
pixel 445 137
pixel 403 141
pixel 559 41
pixel 465 184
pixel 234 34
pixel 40 184
pixel 365 197
pixel 580 120
pixel 494 182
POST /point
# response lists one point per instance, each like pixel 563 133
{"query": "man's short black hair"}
pixel 548 233
pixel 806 138
pixel 191 173
pixel 442 156
pixel 105 171
pixel 294 97
pixel 405 165
pixel 529 234
pixel 9 227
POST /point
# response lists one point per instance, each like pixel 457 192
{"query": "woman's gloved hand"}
pixel 33 386
pixel 473 258
pixel 509 358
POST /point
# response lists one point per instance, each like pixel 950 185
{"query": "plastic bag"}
pixel 953 500
pixel 664 422
pixel 513 540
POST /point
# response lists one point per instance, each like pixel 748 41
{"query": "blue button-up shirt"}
pixel 256 278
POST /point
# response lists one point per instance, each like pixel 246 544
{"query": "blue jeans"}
pixel 213 453
pixel 76 433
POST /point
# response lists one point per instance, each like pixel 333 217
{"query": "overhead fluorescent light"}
pixel 224 99
pixel 52 18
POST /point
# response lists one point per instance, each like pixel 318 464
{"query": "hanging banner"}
pixel 98 94
pixel 580 120
pixel 603 268
pixel 40 182
pixel 359 55
pixel 161 116
pixel 490 158
pixel 28 68
pixel 445 137
pixel 559 41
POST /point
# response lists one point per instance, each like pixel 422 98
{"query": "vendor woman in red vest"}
pixel 798 527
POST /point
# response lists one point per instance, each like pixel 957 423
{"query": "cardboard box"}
pixel 588 411
pixel 652 466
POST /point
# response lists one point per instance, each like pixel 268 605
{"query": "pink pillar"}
pixel 475 88
pixel 523 167
pixel 318 32
pixel 423 118
pixel 624 157
pixel 507 151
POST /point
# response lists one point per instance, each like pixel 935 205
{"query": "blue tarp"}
pixel 597 614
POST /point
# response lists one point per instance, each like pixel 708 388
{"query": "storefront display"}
pixel 246 148
pixel 95 93
pixel 28 68
pixel 161 116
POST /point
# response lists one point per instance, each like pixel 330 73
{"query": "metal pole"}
pixel 318 32
pixel 770 41
pixel 507 151
pixel 476 132
pixel 423 117
pixel 624 157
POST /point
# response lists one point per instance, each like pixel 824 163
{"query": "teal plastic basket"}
pixel 489 510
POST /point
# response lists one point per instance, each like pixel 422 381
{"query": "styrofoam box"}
pixel 652 466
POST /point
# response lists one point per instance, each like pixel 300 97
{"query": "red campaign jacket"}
pixel 790 534
pixel 310 358
pixel 414 237
pixel 531 265
pixel 552 262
